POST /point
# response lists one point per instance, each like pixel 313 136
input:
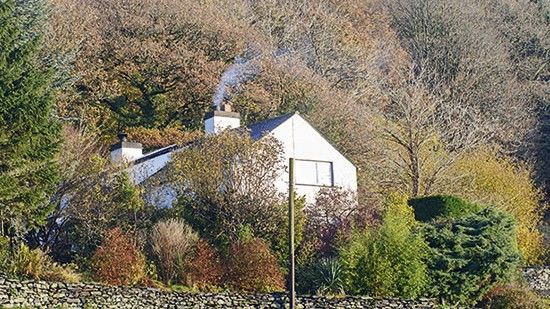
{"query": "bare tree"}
pixel 420 135
pixel 469 65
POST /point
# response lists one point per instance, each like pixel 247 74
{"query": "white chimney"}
pixel 221 118
pixel 124 151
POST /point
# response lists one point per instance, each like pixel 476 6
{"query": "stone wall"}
pixel 538 279
pixel 40 294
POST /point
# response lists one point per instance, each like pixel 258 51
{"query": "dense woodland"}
pixel 443 105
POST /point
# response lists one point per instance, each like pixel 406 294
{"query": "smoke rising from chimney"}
pixel 239 72
pixel 242 70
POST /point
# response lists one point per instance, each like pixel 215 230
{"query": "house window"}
pixel 313 173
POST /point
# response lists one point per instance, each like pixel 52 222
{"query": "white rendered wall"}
pixel 216 124
pixel 144 170
pixel 125 154
pixel 162 195
pixel 301 141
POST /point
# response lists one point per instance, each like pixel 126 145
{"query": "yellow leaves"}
pixel 398 212
pixel 486 178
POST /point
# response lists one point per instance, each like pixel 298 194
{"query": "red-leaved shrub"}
pixel 118 261
pixel 205 269
pixel 252 267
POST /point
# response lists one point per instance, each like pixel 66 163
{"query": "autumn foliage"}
pixel 205 269
pixel 118 261
pixel 508 185
pixel 252 267
pixel 159 138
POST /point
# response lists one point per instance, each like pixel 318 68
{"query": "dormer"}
pixel 221 118
pixel 125 151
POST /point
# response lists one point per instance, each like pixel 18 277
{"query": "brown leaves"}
pixel 118 261
pixel 206 269
pixel 159 138
pixel 252 267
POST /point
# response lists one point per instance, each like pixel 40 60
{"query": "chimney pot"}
pixel 122 136
pixel 226 107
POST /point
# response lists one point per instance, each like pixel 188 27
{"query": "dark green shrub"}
pixel 329 277
pixel 470 255
pixel 441 206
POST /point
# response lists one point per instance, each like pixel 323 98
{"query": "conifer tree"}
pixel 29 136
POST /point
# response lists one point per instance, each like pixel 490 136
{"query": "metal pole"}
pixel 292 294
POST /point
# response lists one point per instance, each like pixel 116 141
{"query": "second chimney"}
pixel 124 151
pixel 221 118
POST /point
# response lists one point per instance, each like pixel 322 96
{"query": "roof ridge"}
pixel 259 128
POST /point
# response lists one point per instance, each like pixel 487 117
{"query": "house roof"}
pixel 156 153
pixel 259 129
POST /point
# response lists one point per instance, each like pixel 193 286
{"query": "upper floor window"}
pixel 314 173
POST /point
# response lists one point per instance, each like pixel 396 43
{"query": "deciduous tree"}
pixel 227 183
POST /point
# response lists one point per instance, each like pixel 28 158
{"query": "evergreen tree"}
pixel 29 137
pixel 470 255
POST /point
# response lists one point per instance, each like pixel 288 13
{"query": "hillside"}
pixel 404 99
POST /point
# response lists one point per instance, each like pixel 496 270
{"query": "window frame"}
pixel 316 173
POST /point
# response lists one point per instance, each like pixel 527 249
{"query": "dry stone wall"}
pixel 538 279
pixel 40 294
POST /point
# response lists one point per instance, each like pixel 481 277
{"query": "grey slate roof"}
pixel 156 153
pixel 259 129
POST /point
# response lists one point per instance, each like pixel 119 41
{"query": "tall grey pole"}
pixel 292 296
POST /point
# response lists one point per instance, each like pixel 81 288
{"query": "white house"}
pixel 317 162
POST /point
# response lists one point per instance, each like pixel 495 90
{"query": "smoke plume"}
pixel 239 72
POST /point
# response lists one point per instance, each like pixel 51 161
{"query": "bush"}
pixel 441 206
pixel 508 185
pixel 252 267
pixel 329 218
pixel 25 263
pixel 388 261
pixel 118 261
pixel 513 297
pixel 205 268
pixel 219 197
pixel 329 277
pixel 172 244
pixel 469 255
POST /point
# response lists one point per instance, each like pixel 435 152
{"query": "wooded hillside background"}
pixel 404 88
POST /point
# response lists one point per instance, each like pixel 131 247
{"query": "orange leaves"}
pixel 206 268
pixel 118 261
pixel 252 267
